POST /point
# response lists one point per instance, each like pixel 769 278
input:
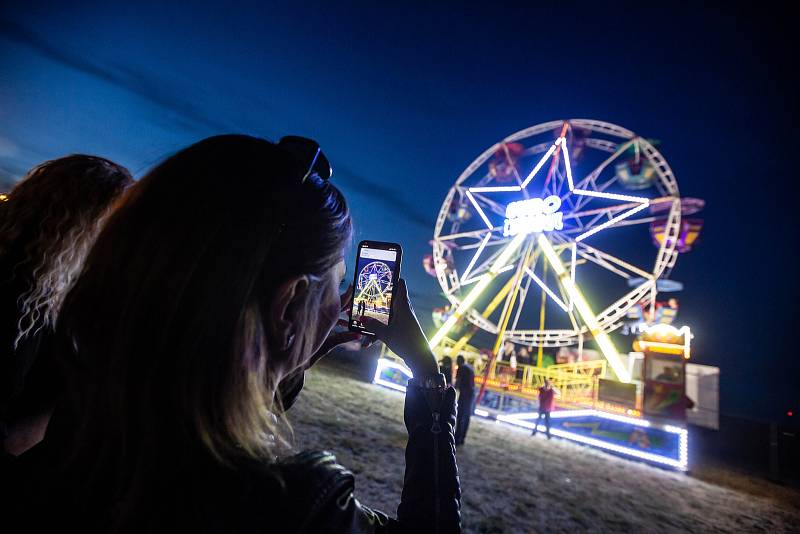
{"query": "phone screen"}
pixel 376 273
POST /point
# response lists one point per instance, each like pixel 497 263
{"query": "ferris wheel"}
pixel 544 239
pixel 374 281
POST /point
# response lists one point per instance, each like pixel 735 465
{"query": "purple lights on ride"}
pixel 689 228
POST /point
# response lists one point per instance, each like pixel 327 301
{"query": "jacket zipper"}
pixel 435 430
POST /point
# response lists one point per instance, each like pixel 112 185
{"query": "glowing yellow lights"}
pixel 483 282
pixel 576 298
pixel 588 316
pixel 666 339
pixel 3 197
pixel 666 333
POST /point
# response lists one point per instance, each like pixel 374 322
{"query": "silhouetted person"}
pixel 547 395
pixel 465 384
pixel 446 368
pixel 47 226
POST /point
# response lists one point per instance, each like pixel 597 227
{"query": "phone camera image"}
pixel 372 295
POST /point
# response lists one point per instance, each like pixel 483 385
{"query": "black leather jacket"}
pixel 431 495
pixel 306 493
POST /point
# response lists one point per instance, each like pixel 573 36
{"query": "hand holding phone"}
pixel 404 336
pixel 376 274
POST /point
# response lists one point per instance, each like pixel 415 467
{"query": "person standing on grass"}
pixel 446 368
pixel 465 384
pixel 547 394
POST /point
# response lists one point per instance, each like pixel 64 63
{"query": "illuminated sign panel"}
pixel 533 215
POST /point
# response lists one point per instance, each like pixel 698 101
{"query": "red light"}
pixel 790 413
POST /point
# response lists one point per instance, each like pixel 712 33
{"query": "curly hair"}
pixel 48 224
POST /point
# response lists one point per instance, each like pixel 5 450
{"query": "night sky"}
pixel 403 99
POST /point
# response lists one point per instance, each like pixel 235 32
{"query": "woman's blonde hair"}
pixel 168 316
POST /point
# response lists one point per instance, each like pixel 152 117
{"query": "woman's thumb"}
pixel 375 326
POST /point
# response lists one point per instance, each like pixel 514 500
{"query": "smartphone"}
pixel 375 279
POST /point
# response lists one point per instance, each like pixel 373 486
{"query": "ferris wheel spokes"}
pixel 487 263
pixel 590 181
pixel 617 216
pixel 585 250
pixel 590 203
pixel 473 233
pixel 492 243
pixel 495 207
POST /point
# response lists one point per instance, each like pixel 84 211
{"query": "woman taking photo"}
pixel 211 289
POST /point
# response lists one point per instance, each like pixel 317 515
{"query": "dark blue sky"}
pixel 402 99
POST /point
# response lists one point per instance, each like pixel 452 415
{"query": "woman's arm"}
pixel 431 498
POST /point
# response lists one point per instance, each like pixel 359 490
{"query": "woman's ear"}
pixel 285 310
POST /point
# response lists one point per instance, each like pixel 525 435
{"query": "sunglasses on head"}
pixel 308 156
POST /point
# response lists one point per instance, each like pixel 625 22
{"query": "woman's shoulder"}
pixel 309 476
pixel 302 486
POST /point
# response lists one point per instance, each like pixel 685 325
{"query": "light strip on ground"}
pixel 539 165
pixel 561 414
pixel 476 291
pixel 588 316
pixel 683 446
pixel 680 463
pixel 517 419
pixel 475 257
pixel 383 363
pixel 479 210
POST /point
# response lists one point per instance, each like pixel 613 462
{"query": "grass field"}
pixel 512 482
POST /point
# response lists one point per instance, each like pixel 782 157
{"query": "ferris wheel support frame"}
pixel 602 339
pixel 477 290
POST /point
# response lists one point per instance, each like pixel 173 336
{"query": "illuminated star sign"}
pixel 537 215
pixel 533 215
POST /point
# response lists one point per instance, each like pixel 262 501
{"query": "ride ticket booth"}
pixel 666 350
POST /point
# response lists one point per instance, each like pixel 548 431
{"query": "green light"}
pixel 480 286
pixel 588 316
